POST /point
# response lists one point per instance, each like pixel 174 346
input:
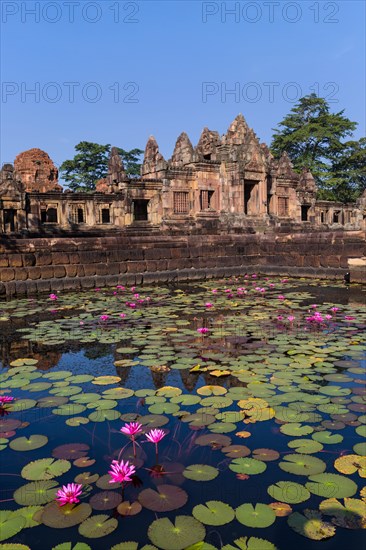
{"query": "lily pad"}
pixel 250 466
pixel 200 472
pixel 106 500
pixel 302 465
pixel 289 492
pixel 45 468
pixel 98 526
pixel 313 528
pixel 331 485
pixel 164 499
pixel 184 532
pixel 28 444
pixel 259 515
pixel 10 524
pixel 214 512
pixel 62 517
pixel 36 493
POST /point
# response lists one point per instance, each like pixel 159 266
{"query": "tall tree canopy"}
pixel 314 138
pixel 91 164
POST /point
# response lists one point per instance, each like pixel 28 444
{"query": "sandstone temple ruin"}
pixel 227 184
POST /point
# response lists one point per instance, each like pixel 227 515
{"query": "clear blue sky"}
pixel 168 50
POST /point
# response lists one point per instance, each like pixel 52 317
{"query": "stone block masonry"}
pixel 28 266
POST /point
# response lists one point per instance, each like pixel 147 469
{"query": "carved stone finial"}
pixel 116 170
pixel 37 171
pixel 236 132
pixel 153 160
pixel 307 181
pixel 183 151
pixel 207 144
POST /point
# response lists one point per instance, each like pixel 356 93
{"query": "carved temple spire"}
pixel 207 145
pixel 183 151
pixel 154 161
pixel 236 132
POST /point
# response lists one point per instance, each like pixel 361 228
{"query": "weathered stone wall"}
pixel 54 264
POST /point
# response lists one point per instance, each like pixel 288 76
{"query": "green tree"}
pixel 88 166
pixel 131 161
pixel 91 164
pixel 313 138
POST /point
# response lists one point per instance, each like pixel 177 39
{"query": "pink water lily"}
pixel 104 317
pixel 132 428
pixel 208 304
pixel 122 315
pixel 69 494
pixel 53 297
pixel 203 330
pixel 281 297
pixel 121 472
pixel 5 399
pixel 291 318
pixel 154 436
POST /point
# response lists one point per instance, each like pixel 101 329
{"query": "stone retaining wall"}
pixel 28 266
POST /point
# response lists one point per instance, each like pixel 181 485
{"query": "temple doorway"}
pixel 250 198
pixel 9 220
pixel 140 213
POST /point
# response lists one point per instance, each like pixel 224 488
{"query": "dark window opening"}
pixel 322 217
pixel 207 157
pixel 304 212
pixel 140 213
pixel 49 215
pixel 206 199
pixel 336 216
pixel 106 216
pixel 43 216
pixel 9 220
pixel 80 215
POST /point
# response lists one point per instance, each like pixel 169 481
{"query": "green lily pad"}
pixel 71 546
pixel 23 404
pixel 27 513
pixel 214 512
pixel 98 526
pixel 252 543
pixel 305 446
pixel 36 493
pixel 200 472
pixel 184 532
pixel 259 515
pixel 327 437
pixel 45 468
pixel 331 485
pixel 104 415
pixel 313 528
pixel 289 492
pixel 28 444
pixel 10 524
pixel 302 465
pixel 249 466
pixel 296 429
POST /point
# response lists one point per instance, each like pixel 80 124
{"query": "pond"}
pixel 242 404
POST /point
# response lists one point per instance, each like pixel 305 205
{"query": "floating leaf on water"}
pixel 28 444
pixel 70 451
pixel 28 513
pixel 249 466
pixel 118 393
pixel 305 446
pixel 200 472
pixel 331 485
pixel 127 508
pixel 314 528
pixel 106 500
pixel 327 437
pixel 76 421
pixel 211 390
pixel 289 492
pixel 69 546
pixel 106 380
pixel 103 483
pixel 281 509
pixel 98 526
pixel 10 524
pixel 87 478
pixel 23 404
pixel 267 455
pixel 164 499
pixel 45 468
pixel 62 517
pixel 153 420
pixel 259 515
pixel 36 493
pixel 104 415
pixel 350 516
pixel 213 440
pixel 252 543
pixel 214 512
pixel 349 464
pixel 184 532
pixel 302 465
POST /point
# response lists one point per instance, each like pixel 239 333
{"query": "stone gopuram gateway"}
pixel 225 185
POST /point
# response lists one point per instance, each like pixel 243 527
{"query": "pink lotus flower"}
pixel 120 287
pixel 334 309
pixel 291 318
pixel 96 289
pixel 104 317
pixel 132 305
pixel 314 306
pixel 155 435
pixel 132 428
pixel 208 304
pixel 279 318
pixel 69 494
pixel 5 399
pixel 281 297
pixel 203 330
pixel 122 315
pixel 121 471
pixel 349 318
pixel 328 317
pixel 254 276
pixel 214 290
pixel 53 297
pixel 133 288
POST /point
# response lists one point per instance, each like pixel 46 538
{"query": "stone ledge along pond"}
pixel 243 408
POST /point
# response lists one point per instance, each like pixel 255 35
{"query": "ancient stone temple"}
pixel 225 184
